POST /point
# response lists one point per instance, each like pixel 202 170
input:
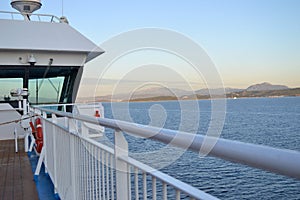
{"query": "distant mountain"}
pixel 293 92
pixel 205 91
pixel 148 93
pixel 161 93
pixel 156 93
pixel 266 86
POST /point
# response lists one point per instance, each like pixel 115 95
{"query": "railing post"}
pixel 84 130
pixel 26 141
pixel 16 140
pixel 39 164
pixel 54 120
pixel 66 122
pixel 74 164
pixel 121 149
pixel 44 114
pixel 71 126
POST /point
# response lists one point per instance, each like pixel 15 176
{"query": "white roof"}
pixel 44 36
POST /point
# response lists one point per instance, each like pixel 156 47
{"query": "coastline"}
pixel 294 92
pixel 176 99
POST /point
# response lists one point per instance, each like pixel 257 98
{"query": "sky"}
pixel 249 41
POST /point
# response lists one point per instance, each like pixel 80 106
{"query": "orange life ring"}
pixel 39 135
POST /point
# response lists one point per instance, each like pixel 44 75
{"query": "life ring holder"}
pixel 37 132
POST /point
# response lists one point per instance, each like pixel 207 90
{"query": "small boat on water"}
pixel 42 60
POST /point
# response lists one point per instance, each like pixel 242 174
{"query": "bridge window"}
pixel 45 84
pixel 47 90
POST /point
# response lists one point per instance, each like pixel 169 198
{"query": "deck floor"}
pixel 16 177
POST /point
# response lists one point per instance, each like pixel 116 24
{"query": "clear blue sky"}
pixel 250 41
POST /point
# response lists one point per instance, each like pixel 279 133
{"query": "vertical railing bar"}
pixel 91 163
pixel 91 188
pixel 45 141
pixel 66 120
pixel 145 185
pixel 103 175
pixel 77 172
pixel 82 170
pixel 57 141
pixel 54 120
pixel 61 175
pixel 112 177
pixel 136 182
pixel 88 170
pixel 107 176
pixel 85 172
pixel 121 149
pixel 75 167
pixel 63 139
pixel 165 191
pixel 100 175
pixel 96 173
pixel 129 180
pixel 154 188
pixel 92 171
pixel 80 179
pixel 73 163
pixel 177 194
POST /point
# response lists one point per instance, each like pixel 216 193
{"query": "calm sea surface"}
pixel 268 121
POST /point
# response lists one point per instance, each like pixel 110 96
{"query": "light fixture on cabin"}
pixel 31 60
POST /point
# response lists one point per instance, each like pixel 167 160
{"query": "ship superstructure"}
pixel 44 56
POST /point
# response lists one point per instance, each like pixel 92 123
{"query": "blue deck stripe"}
pixel 43 182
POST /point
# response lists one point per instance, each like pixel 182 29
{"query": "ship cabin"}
pixel 47 58
pixel 41 60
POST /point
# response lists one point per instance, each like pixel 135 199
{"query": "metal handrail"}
pixel 281 161
pixel 53 18
pixel 190 190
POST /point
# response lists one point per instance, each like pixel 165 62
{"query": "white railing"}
pixel 81 168
pixel 33 17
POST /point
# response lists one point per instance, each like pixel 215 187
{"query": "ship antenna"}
pixel 62 7
pixel 63 19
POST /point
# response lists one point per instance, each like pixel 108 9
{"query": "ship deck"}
pixel 16 177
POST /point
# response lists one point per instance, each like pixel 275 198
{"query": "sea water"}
pixel 268 121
